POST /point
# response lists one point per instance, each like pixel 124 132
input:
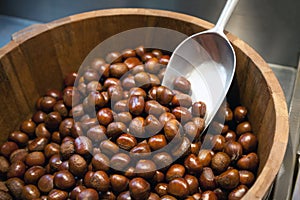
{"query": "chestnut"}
pixel 139 188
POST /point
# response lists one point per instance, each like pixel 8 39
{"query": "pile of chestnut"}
pixel 114 132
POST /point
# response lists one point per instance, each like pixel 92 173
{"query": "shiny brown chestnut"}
pixel 145 168
pixel 30 192
pixel 64 180
pixel 249 142
pixel 33 174
pixel 178 187
pixel 7 148
pixel 126 141
pixel 139 188
pixel 175 171
pixel 248 162
pixel 220 162
pixel 207 179
pixel 15 187
pixel 109 148
pixel 182 84
pixel 238 192
pixel 157 142
pixel 234 150
pixel 246 177
pixel 228 179
pixel 119 183
pixel 88 193
pixel 45 183
pixel 100 162
pixel 193 164
pixel 193 183
pixel 240 113
pixel 100 181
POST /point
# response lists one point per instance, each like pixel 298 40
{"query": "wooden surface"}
pixel 38 57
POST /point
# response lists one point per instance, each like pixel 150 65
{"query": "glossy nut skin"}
pixel 38 144
pixel 19 137
pixel 228 179
pixel 182 114
pixel 7 148
pixel 42 131
pixel 243 128
pixel 83 145
pixel 248 162
pixel 136 104
pixel 205 157
pixel 191 130
pixel 238 192
pixel 115 129
pixel 100 181
pixel 145 168
pixel 64 180
pixel 139 188
pixel 53 120
pixel 18 155
pixel 88 193
pixel 209 195
pixel 56 194
pixel 234 150
pixel 182 84
pixel 161 189
pixel 119 183
pixel 193 183
pixel 35 158
pixel 178 187
pixel 126 141
pixel 240 113
pixel 45 183
pixel 152 107
pixel 172 129
pixel 220 162
pixel 181 99
pixel 51 149
pixel 157 142
pixel 246 177
pixel 124 196
pixel 71 96
pixel 119 161
pixel 207 179
pixel 39 116
pixel 193 164
pixel 175 171
pixel 152 125
pixel 162 160
pixel 249 142
pixel 47 103
pixel 109 148
pixel 33 174
pixel 142 79
pixel 117 70
pixel 76 191
pixel 218 142
pixel 137 127
pixel 59 107
pixel 30 192
pixel 100 162
pixel 199 109
pixel 105 116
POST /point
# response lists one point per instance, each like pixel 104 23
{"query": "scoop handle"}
pixel 225 15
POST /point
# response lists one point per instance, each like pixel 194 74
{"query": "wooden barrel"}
pixel 38 57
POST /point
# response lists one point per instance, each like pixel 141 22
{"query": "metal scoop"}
pixel 208 61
